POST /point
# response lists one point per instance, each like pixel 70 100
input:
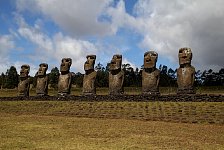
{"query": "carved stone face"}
pixel 89 64
pixel 150 59
pixel 65 64
pixel 116 62
pixel 185 56
pixel 42 70
pixel 24 72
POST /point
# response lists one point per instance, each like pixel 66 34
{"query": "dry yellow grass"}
pixel 186 112
pixel 56 132
pixel 53 125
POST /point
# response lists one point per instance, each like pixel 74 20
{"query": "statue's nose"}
pixel 148 60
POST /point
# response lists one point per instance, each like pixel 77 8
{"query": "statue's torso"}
pixel 23 87
pixel 42 85
pixel 185 77
pixel 116 82
pixel 89 83
pixel 64 83
pixel 150 80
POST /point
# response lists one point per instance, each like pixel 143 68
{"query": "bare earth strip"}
pixel 63 132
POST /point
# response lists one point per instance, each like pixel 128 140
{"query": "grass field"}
pixel 89 125
pixel 63 132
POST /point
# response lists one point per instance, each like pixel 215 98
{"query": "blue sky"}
pixel 32 32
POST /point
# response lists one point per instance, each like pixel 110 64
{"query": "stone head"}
pixel 185 56
pixel 24 72
pixel 42 70
pixel 116 62
pixel 65 65
pixel 90 62
pixel 150 59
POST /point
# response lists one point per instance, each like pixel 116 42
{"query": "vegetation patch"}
pixel 63 132
pixel 187 112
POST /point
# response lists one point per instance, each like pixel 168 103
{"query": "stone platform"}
pixel 133 98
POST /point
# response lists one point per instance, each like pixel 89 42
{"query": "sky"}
pixel 37 31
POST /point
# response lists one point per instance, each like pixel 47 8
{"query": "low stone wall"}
pixel 136 98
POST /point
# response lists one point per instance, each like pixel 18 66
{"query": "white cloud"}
pixel 57 47
pixel 34 34
pixel 121 19
pixel 165 26
pixel 6 45
pixel 79 17
pixel 170 25
pixel 66 46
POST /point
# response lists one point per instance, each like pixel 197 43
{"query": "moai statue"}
pixel 150 74
pixel 64 83
pixel 42 80
pixel 185 73
pixel 116 76
pixel 24 83
pixel 90 76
